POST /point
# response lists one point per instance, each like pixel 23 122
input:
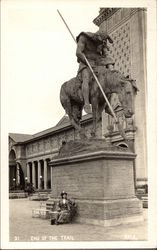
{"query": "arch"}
pixel 12 155
pixel 12 169
pixel 16 174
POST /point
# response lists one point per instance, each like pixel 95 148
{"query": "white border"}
pixel 151 139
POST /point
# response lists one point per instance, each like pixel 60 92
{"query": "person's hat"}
pixel 63 192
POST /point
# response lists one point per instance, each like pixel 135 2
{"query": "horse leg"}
pixel 77 126
pixel 70 111
pixel 94 111
pixel 97 115
pixel 76 117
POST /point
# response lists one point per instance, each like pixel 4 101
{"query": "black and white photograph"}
pixel 77 165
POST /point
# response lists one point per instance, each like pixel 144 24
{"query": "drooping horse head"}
pixel 124 87
pixel 126 92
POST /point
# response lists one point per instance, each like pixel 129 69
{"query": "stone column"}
pixel 17 174
pixel 45 174
pixel 138 72
pixel 28 172
pixel 39 174
pixel 51 176
pixel 33 174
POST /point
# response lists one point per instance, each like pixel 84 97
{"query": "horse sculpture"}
pixel 112 82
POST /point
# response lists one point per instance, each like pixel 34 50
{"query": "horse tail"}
pixel 65 99
pixel 63 94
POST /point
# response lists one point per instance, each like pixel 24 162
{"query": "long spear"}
pixel 97 81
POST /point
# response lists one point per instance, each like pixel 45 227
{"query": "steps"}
pixel 18 195
pixel 145 201
pixel 143 197
pixel 39 196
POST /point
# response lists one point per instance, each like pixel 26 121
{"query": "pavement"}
pixel 24 228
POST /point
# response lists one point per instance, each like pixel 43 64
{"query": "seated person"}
pixel 65 211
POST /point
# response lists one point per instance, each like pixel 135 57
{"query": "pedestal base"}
pixel 100 182
pixel 110 212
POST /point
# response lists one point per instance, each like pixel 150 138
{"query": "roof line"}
pixel 57 130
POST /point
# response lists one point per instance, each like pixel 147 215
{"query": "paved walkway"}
pixel 25 228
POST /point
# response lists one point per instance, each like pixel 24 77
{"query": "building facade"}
pixel 127 28
pixel 29 155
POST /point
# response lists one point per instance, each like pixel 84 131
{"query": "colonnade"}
pixel 39 174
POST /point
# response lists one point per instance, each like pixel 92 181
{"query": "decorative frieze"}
pixel 47 144
pixel 53 142
pixel 76 135
pixel 70 135
pixel 60 139
pixel 35 147
pixel 28 149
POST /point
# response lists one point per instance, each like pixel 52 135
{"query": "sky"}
pixel 38 57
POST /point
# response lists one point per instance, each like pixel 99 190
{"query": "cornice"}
pixel 105 13
pixel 103 154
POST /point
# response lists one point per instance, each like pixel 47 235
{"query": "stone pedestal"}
pixel 102 184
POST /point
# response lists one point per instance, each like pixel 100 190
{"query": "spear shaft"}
pixel 97 81
pixel 95 77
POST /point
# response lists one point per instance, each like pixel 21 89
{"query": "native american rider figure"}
pixel 93 46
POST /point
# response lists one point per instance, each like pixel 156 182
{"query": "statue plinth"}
pixel 100 181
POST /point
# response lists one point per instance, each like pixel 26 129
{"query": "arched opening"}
pixel 12 156
pixel 12 169
pixel 36 174
pixel 48 175
pixel 41 186
pixel 16 174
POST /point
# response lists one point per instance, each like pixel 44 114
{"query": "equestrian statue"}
pixel 95 82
